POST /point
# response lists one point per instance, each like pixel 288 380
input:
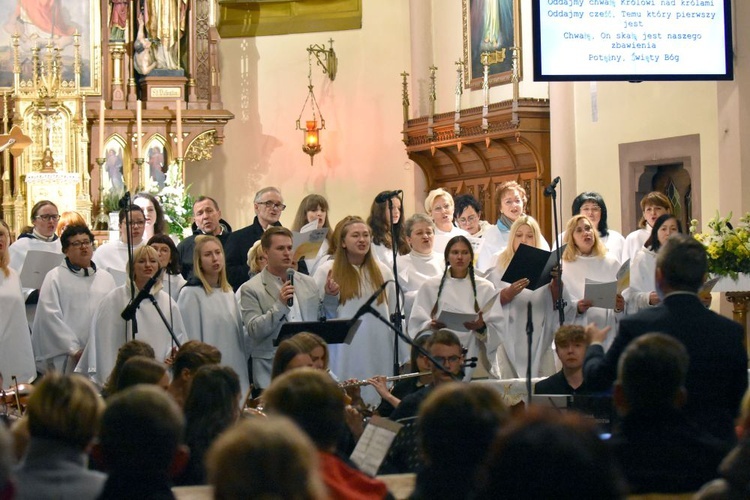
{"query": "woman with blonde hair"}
pixel 359 274
pixel 585 257
pixel 256 259
pixel 70 218
pixel 16 355
pixel 439 205
pixel 515 299
pixel 109 330
pixel 209 309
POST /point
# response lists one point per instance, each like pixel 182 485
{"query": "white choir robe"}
pixel 383 254
pixel 495 240
pixel 371 350
pixel 614 241
pixel 457 296
pixel 634 242
pixel 321 257
pixel 109 331
pixel 443 237
pixel 642 280
pixel 16 354
pixel 414 269
pixel 598 268
pixel 114 255
pixel 545 321
pixel 172 284
pixel 215 319
pixel 67 303
pixel 18 251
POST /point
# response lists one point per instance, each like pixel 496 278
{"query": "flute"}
pixel 396 378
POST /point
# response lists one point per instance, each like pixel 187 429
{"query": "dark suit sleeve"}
pixel 600 369
pixel 739 380
pixel 186 258
pixel 236 250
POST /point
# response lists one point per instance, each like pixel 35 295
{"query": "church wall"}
pixel 264 83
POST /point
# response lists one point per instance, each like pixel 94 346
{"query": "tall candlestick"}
pixel 101 129
pixel 138 129
pixel 179 128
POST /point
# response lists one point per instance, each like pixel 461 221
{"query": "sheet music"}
pixel 308 244
pixel 36 266
pixel 601 294
pixel 623 276
pixel 374 444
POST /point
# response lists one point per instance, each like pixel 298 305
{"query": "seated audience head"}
pixel 651 375
pixel 571 342
pixel 468 213
pixel 264 458
pixel 582 238
pixel 70 218
pixel 313 400
pixel 681 265
pixel 653 205
pixel 418 362
pixel 290 355
pixel 7 488
pixel 316 347
pixel 664 227
pixel 592 205
pixel 544 454
pixel 207 215
pixel 142 434
pixel 192 355
pixel 457 423
pixel 445 347
pixel 256 258
pixel 142 370
pixel 78 245
pixel 169 257
pixel 65 408
pixel 312 207
pixel 125 352
pixel 214 398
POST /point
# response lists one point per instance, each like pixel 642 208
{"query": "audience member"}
pixel 63 416
pixel 545 454
pixel 206 220
pixel 570 344
pixel 264 458
pixel 125 352
pixel 142 370
pixel 290 355
pixel 141 444
pixel 213 405
pixel 717 375
pixel 192 355
pixel 315 402
pixel 268 205
pixel 659 450
pixel 7 487
pixel 456 425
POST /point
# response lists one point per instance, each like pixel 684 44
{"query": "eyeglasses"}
pixel 468 220
pixel 138 224
pixel 82 243
pixel 449 360
pixel 269 205
pixel 48 217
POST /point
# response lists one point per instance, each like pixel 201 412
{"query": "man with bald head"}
pixel 268 205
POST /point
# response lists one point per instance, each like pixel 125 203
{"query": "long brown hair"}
pixel 308 203
pixel 349 281
pixel 380 224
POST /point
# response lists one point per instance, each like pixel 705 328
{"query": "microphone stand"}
pixel 165 320
pixel 560 302
pixel 125 203
pixel 529 340
pixel 397 316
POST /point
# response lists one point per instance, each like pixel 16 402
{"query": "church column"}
pixel 563 147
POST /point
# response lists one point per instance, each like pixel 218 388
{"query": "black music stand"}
pixel 333 331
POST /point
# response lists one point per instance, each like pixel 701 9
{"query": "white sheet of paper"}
pixel 308 244
pixel 601 294
pixel 310 226
pixel 623 276
pixel 455 321
pixel 36 266
pixel 374 444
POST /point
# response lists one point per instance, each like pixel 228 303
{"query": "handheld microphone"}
pixel 387 195
pixel 366 306
pixel 129 312
pixel 551 188
pixel 290 278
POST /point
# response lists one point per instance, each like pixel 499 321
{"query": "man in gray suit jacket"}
pixel 264 301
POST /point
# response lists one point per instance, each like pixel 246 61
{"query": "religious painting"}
pixel 156 162
pixel 40 22
pixel 114 162
pixel 490 26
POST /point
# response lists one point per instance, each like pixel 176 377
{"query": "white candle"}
pixel 139 134
pixel 101 129
pixel 179 128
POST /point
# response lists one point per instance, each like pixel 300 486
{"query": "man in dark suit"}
pixel 268 205
pixel 717 376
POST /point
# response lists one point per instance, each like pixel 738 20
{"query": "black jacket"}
pixel 186 247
